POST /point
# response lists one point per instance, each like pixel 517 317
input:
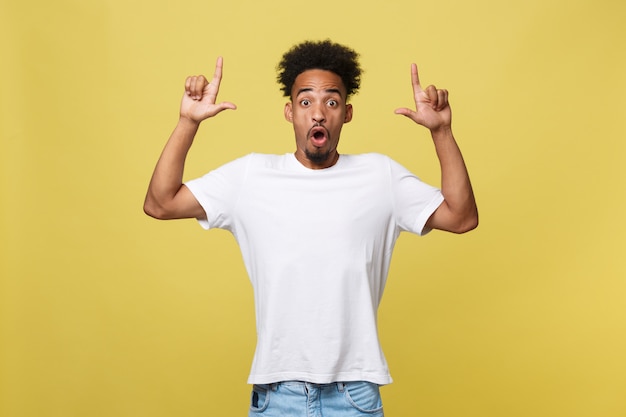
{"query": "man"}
pixel 316 229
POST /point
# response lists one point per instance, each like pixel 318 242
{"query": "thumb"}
pixel 404 111
pixel 225 105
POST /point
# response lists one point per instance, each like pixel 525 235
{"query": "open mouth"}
pixel 318 136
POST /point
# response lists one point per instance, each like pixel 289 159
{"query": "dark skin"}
pixel 318 110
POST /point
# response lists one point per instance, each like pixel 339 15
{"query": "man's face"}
pixel 318 111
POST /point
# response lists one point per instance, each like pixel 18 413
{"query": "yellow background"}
pixel 106 312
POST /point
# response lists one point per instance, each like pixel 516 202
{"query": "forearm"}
pixel 167 178
pixel 455 182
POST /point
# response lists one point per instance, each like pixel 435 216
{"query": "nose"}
pixel 318 114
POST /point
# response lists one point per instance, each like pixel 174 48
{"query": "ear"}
pixel 288 112
pixel 348 113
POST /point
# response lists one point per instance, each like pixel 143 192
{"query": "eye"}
pixel 332 103
pixel 305 102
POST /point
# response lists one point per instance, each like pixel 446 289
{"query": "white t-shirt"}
pixel 317 246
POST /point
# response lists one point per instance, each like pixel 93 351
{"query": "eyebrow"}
pixel 328 90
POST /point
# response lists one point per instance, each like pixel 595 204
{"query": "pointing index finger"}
pixel 218 68
pixel 415 79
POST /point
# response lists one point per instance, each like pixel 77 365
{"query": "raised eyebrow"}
pixel 334 90
pixel 303 90
pixel 328 90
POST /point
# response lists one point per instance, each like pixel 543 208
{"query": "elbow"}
pixel 154 210
pixel 469 226
pixel 469 223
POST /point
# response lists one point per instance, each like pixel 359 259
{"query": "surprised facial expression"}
pixel 318 110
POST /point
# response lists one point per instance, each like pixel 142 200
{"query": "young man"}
pixel 316 229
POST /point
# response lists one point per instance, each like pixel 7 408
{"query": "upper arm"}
pixel 183 205
pixel 187 205
pixel 444 218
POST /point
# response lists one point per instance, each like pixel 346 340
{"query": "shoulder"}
pixel 371 159
pixel 377 162
pixel 252 161
pixel 272 162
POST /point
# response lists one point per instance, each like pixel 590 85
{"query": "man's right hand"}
pixel 199 101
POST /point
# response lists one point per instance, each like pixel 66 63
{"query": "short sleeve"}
pixel 414 200
pixel 218 192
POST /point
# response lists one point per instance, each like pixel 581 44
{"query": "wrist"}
pixel 188 122
pixel 441 132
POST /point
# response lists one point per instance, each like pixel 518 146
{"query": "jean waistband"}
pixel 341 386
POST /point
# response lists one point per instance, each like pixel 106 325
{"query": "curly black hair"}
pixel 324 55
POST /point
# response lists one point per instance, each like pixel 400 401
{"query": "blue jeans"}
pixel 304 399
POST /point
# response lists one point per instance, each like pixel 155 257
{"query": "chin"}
pixel 318 156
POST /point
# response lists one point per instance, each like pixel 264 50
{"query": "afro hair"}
pixel 324 55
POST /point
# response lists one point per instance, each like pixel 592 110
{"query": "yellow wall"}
pixel 106 312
